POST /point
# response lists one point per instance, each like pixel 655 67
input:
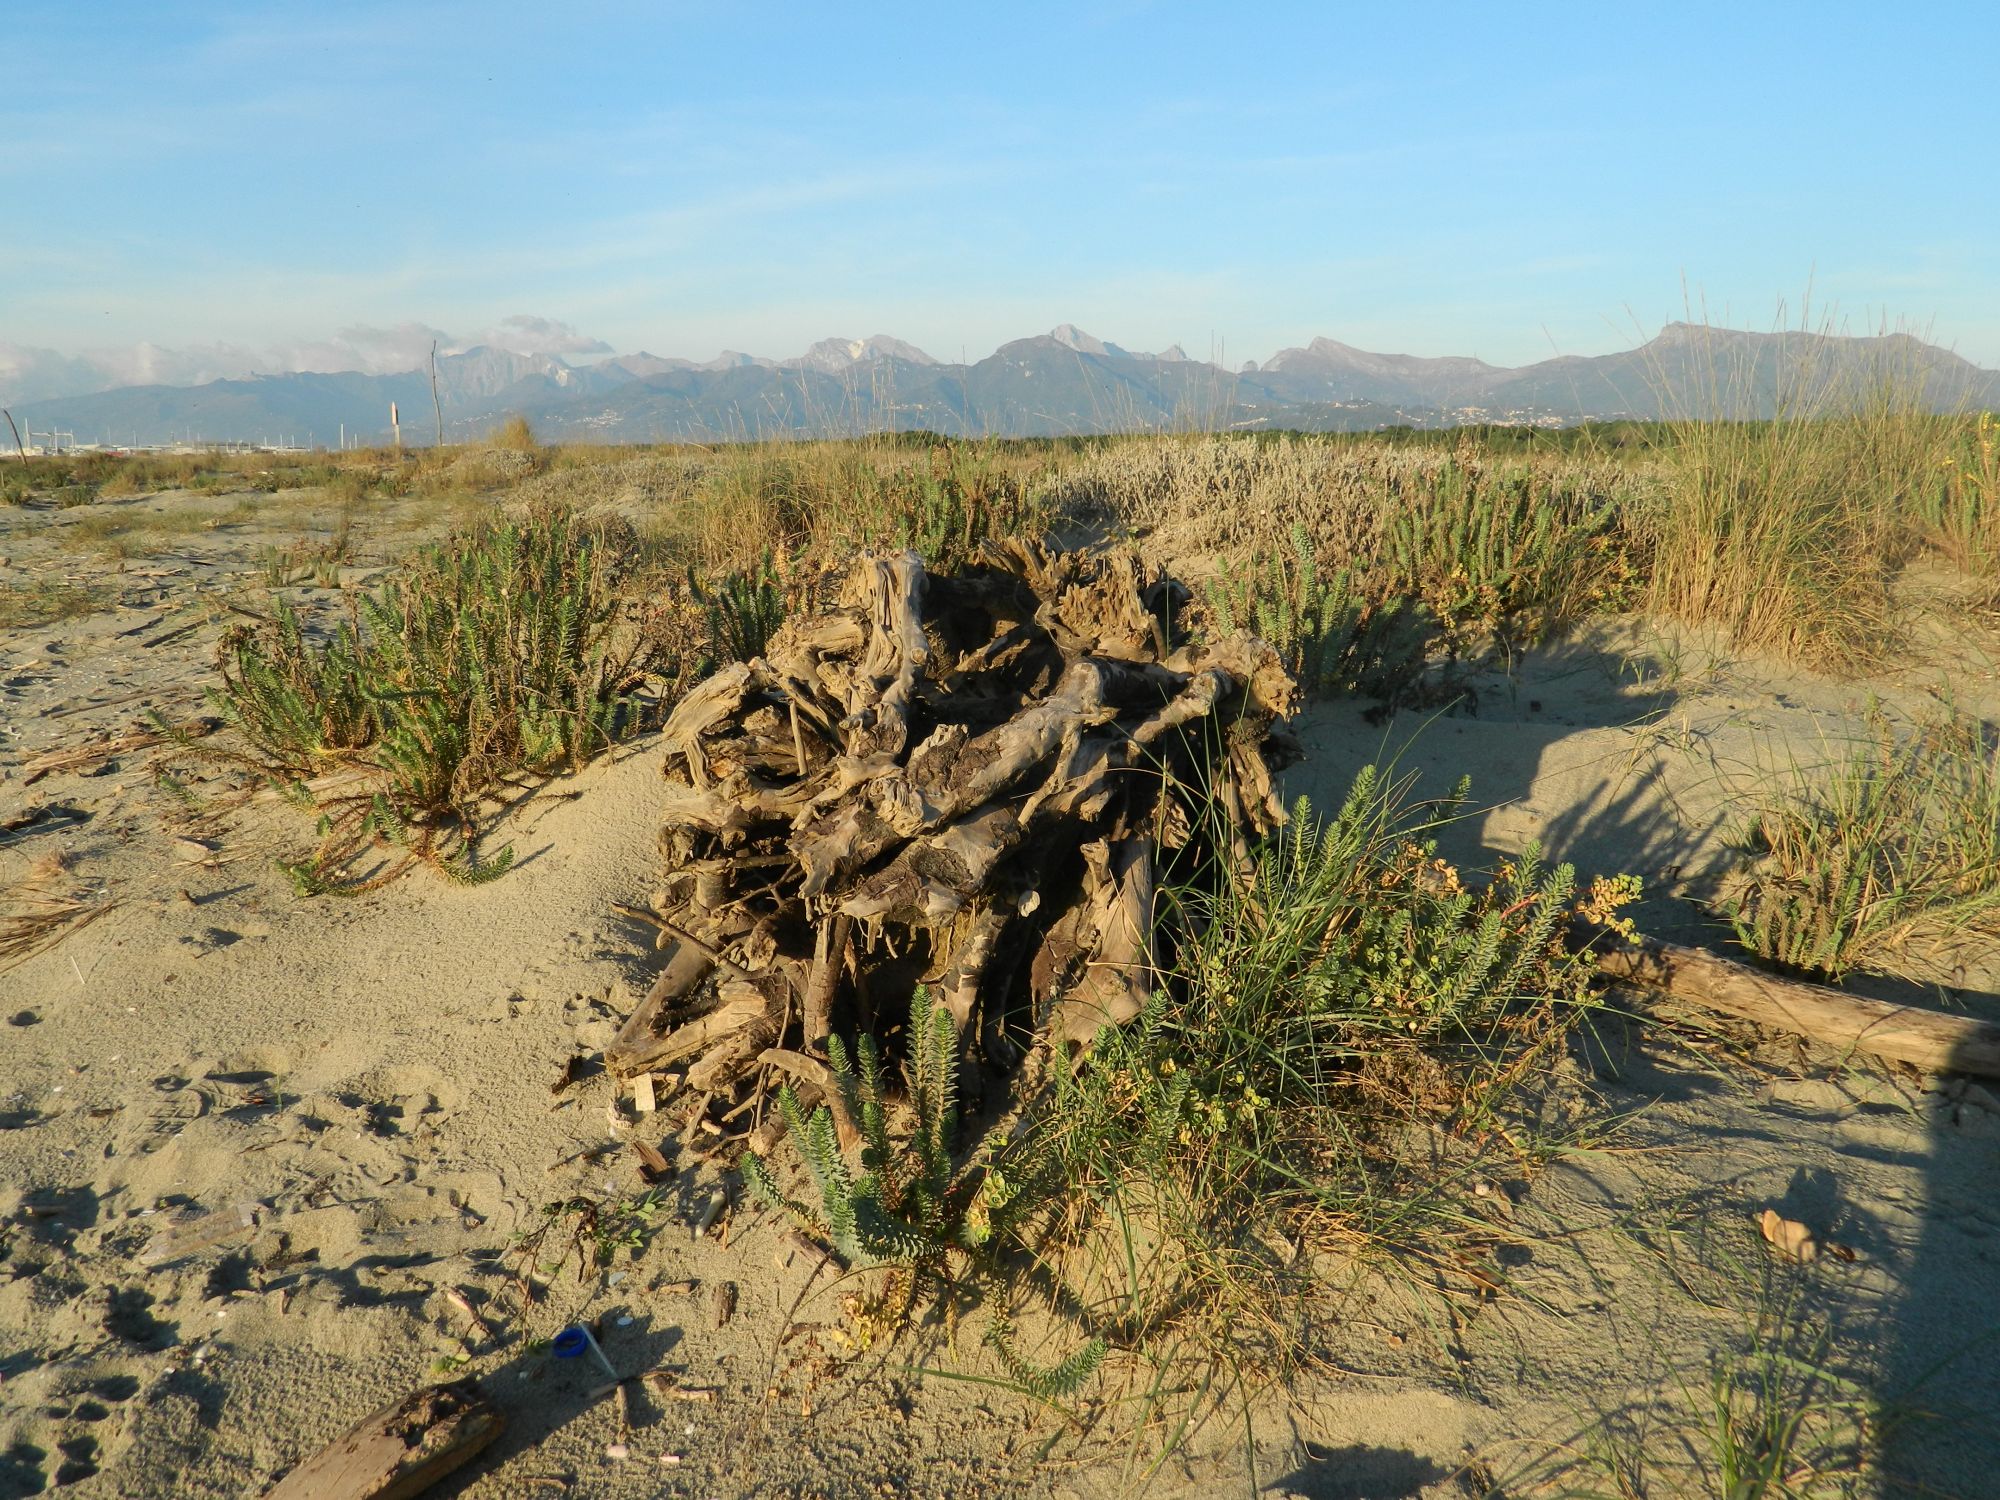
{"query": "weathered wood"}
pixel 1118 974
pixel 965 781
pixel 829 958
pixel 674 930
pixel 708 704
pixel 960 984
pixel 732 1016
pixel 1933 1040
pixel 814 636
pixel 647 1034
pixel 878 716
pixel 401 1450
pixel 730 1038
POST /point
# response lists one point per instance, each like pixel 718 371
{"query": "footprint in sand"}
pixel 253 1065
pixel 24 1468
pixel 175 1104
pixel 251 1081
pixel 128 1315
pixel 78 1432
pixel 80 1458
pixel 401 1099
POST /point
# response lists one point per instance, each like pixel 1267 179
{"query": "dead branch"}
pixel 1933 1040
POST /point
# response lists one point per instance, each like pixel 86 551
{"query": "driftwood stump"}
pixel 973 781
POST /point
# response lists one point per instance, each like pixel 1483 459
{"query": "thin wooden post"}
pixel 436 406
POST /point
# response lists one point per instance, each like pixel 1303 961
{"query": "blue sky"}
pixel 1510 181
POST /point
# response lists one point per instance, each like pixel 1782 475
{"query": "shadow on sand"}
pixel 1571 768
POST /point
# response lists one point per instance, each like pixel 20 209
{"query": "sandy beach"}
pixel 259 1155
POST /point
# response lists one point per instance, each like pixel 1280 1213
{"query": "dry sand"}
pixel 372 1078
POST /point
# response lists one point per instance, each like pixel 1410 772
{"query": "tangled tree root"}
pixel 974 782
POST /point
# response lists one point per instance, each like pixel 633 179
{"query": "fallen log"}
pixel 401 1450
pixel 1934 1040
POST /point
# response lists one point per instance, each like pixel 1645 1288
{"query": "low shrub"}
pixel 301 704
pixel 945 508
pixel 915 1206
pixel 1506 554
pixel 28 605
pixel 1330 634
pixel 655 488
pixel 302 477
pixel 503 650
pixel 351 488
pixel 1882 858
pixel 149 473
pixel 1347 547
pixel 742 610
pixel 1332 1055
pixel 822 502
pixel 319 562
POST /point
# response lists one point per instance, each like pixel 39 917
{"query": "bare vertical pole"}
pixel 18 444
pixel 396 426
pixel 435 405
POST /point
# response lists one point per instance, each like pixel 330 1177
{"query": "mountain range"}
pixel 1062 382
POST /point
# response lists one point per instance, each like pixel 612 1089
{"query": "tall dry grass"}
pixel 1788 532
pixel 515 433
pixel 720 510
pixel 1958 512
pixel 1459 549
pixel 1883 855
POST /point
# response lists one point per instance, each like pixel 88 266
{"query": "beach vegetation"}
pixel 1882 855
pixel 500 652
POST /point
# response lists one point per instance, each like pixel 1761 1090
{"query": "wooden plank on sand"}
pixel 401 1450
pixel 1933 1040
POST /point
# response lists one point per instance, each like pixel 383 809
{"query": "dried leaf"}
pixel 1791 1239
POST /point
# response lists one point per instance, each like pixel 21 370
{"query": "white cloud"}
pixel 36 374
pixel 525 333
pixel 371 350
pixel 26 374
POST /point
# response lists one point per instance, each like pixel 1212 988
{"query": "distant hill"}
pixel 1326 369
pixel 835 356
pixel 1690 370
pixel 270 408
pixel 1062 382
